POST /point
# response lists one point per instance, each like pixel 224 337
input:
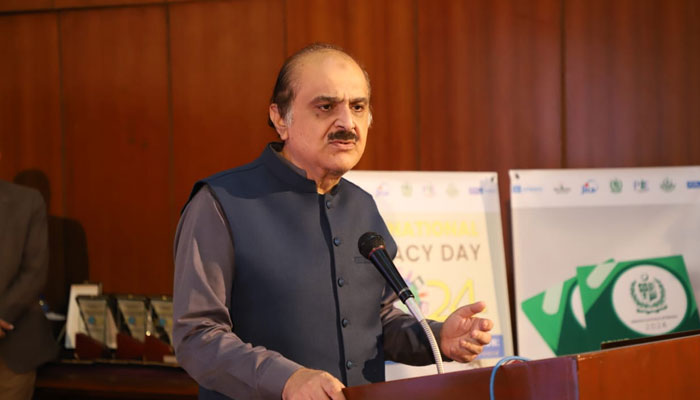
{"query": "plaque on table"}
pixel 74 320
pixel 132 313
pixel 161 313
pixel 94 311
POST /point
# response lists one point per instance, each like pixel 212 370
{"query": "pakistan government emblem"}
pixel 648 295
pixel 616 185
pixel 667 185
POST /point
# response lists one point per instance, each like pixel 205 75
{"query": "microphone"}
pixel 371 245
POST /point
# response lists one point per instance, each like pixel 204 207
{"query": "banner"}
pixel 447 226
pixel 604 254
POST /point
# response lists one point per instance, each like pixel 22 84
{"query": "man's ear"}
pixel 278 121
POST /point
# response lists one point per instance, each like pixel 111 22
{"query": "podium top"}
pixel 665 369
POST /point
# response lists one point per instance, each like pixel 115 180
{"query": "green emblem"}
pixel 649 296
pixel 561 189
pixel 667 185
pixel 616 185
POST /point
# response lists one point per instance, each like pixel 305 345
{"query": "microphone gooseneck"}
pixel 371 245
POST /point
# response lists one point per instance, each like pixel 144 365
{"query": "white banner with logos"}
pixel 447 226
pixel 603 254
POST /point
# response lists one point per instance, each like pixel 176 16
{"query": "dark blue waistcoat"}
pixel 301 286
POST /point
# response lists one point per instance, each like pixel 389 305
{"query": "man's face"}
pixel 327 131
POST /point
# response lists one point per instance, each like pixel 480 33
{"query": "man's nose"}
pixel 345 118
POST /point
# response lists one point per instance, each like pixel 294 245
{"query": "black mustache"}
pixel 342 135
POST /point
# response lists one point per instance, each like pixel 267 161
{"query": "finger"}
pixel 338 396
pixel 469 351
pixel 471 347
pixel 486 324
pixel 481 337
pixel 6 325
pixel 333 387
pixel 464 356
pixel 470 309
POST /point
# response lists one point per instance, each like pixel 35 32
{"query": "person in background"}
pixel 26 340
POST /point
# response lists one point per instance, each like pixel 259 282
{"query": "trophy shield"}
pixel 161 313
pixel 131 310
pixel 94 312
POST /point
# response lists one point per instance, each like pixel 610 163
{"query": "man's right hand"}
pixel 4 327
pixel 312 384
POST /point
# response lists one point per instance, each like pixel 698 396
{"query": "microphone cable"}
pixel 500 362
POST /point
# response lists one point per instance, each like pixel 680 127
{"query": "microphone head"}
pixel 368 242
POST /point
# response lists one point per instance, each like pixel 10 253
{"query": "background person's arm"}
pixel 30 278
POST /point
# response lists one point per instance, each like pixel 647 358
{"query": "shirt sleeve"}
pixel 24 290
pixel 404 339
pixel 203 337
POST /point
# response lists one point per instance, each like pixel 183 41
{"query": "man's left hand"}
pixel 463 335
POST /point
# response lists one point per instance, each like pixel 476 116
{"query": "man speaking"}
pixel 272 298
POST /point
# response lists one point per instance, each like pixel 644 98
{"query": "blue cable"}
pixel 495 368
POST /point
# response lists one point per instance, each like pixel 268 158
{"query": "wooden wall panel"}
pixel 489 91
pixel 30 131
pixel 101 3
pixel 24 5
pixel 381 35
pixel 116 127
pixel 460 85
pixel 632 83
pixel 30 134
pixel 489 85
pixel 225 57
pixel 31 5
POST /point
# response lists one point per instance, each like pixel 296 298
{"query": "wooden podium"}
pixel 668 369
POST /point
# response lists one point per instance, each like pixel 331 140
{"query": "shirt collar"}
pixel 288 172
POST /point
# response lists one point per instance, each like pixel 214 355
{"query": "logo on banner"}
pixel 650 299
pixel 452 190
pixel 589 187
pixel 561 189
pixel 648 295
pixel 407 190
pixel 641 186
pixel 693 184
pixel 517 189
pixel 667 185
pixel 616 185
pixel 381 190
pixel 476 190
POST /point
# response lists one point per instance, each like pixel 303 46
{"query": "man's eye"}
pixel 358 107
pixel 325 107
